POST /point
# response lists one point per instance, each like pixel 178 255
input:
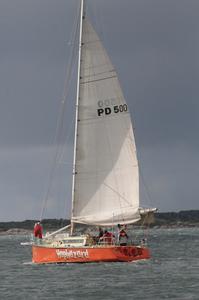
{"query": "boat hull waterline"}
pixel 112 253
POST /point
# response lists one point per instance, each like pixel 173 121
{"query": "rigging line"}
pixel 54 160
pixel 72 121
pixel 146 187
pixel 60 137
pixel 68 79
pixel 72 57
pixel 59 125
pixel 60 158
pixel 142 228
pixel 118 194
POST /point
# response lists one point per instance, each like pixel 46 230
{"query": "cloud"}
pixel 154 46
pixel 170 174
pixel 24 181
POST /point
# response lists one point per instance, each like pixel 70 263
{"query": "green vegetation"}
pixel 182 218
pixel 188 218
pixel 48 224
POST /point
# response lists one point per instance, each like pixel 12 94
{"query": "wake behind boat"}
pixel 105 189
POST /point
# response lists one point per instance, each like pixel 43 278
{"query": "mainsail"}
pixel 106 185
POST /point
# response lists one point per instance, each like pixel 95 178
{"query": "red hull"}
pixel 43 255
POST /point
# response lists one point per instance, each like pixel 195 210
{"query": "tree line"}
pixel 185 217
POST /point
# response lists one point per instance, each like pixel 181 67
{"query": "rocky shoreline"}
pixel 16 231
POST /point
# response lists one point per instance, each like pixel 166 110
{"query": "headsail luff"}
pixel 106 181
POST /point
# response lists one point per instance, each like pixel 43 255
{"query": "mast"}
pixel 77 109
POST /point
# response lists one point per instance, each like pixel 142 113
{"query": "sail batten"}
pixel 106 181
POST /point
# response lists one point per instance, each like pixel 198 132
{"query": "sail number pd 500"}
pixel 109 110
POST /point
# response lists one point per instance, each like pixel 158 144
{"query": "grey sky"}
pixel 154 45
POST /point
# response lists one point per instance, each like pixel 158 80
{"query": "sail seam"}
pixel 103 171
pixel 98 79
pixel 89 42
pixel 95 66
pixel 102 118
pixel 100 73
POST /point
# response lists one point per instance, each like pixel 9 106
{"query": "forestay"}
pixel 106 181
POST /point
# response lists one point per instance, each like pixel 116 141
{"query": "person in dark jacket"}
pixel 101 232
pixel 123 238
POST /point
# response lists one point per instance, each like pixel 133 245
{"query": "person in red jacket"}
pixel 38 230
pixel 107 238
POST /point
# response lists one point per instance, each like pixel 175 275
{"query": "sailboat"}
pixel 105 188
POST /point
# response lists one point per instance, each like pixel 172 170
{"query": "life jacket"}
pixel 123 233
pixel 108 237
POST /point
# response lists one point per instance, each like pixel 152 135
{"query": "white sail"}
pixel 106 187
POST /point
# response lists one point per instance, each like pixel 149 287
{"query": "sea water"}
pixel 171 273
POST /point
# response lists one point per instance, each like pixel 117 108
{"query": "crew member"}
pixel 101 232
pixel 38 231
pixel 123 237
pixel 119 227
pixel 107 238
